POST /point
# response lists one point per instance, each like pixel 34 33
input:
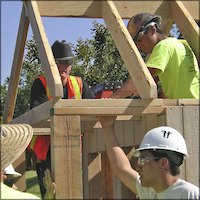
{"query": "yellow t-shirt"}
pixel 10 193
pixel 178 69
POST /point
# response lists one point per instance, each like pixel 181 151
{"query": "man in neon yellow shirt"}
pixel 170 60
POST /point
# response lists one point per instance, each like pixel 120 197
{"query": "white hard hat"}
pixel 163 138
pixel 11 171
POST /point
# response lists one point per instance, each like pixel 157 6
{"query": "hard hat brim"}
pixel 136 153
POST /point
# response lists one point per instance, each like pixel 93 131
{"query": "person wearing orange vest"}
pixel 73 88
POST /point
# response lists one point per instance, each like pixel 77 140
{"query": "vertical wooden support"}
pixel 107 184
pixel 94 177
pixel 151 121
pixel 119 132
pixel 174 119
pixel 186 24
pixel 66 156
pixel 191 135
pixel 121 191
pixel 85 150
pixel 98 177
pixel 185 119
pixel 16 68
pixel 91 163
pixel 128 136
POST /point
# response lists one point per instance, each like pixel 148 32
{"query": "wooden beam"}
pixel 47 60
pixel 188 102
pixel 186 24
pixel 16 68
pixel 129 52
pixel 95 176
pixel 66 156
pixel 92 9
pixel 193 8
pixel 101 111
pixel 63 103
pixel 165 12
pixel 42 131
pixel 67 103
pixel 35 115
pixel 191 135
pixel 174 119
pixel 89 110
pixel 107 175
pixel 110 107
pixel 70 8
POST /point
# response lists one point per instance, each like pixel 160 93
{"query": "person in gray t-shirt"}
pixel 160 155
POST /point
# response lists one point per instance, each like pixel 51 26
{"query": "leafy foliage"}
pixel 3 89
pixel 31 68
pixel 98 59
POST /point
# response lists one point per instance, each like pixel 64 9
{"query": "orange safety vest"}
pixel 40 144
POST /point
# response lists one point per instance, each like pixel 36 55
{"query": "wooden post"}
pixel 66 156
pixel 107 177
pixel 186 24
pixel 191 135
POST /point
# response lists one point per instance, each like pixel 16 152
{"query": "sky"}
pixel 69 29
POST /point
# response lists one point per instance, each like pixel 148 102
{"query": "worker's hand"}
pixel 107 121
pixel 49 185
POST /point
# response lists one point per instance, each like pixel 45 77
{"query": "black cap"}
pixel 62 50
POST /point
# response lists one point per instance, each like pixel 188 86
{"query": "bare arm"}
pixel 118 159
pixel 127 89
pixel 153 72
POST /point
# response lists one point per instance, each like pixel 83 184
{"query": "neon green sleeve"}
pixel 159 57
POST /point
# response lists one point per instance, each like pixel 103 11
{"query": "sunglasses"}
pixel 65 62
pixel 146 159
pixel 143 30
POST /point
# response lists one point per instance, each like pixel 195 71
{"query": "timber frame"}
pixel 65 120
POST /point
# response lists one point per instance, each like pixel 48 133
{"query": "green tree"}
pixel 4 89
pixel 30 70
pixel 97 59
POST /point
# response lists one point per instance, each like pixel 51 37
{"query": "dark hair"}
pixel 175 159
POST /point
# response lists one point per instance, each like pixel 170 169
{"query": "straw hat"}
pixel 14 140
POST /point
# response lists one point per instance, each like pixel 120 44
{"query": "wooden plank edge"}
pixel 16 67
pixel 141 77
